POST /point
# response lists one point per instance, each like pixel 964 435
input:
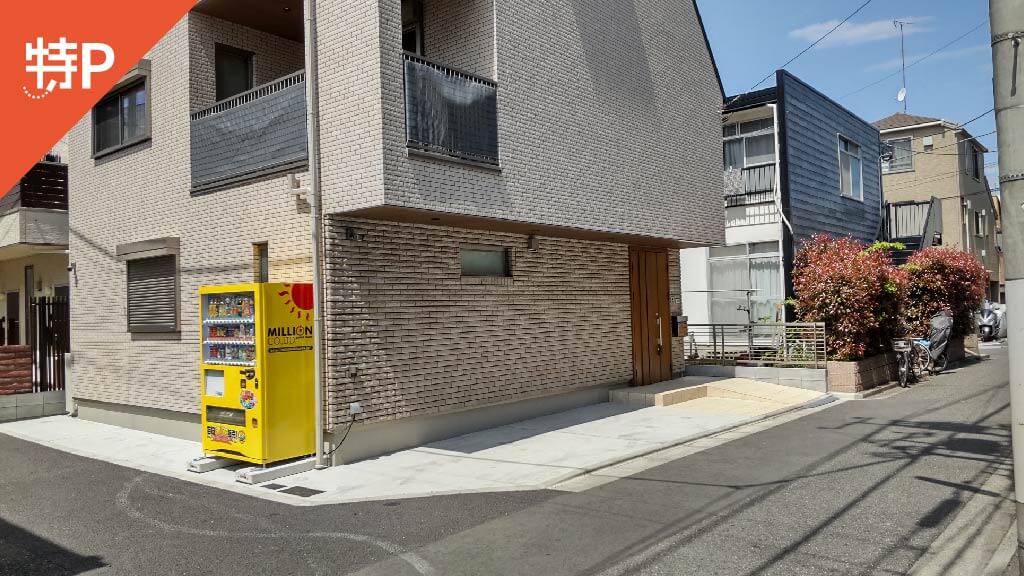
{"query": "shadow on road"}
pixel 24 553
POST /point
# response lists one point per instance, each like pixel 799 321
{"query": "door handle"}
pixel 657 321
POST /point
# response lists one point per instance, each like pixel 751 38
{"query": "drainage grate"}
pixel 274 486
pixel 301 491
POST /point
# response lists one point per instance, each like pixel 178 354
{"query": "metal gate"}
pixel 49 339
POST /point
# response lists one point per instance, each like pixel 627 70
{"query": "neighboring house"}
pixel 934 158
pixel 789 151
pixel 33 244
pixel 502 183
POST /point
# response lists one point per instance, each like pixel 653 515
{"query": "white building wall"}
pixel 696 302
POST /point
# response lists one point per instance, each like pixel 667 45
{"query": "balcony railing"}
pixel 780 345
pixel 754 180
pixel 450 112
pixel 44 186
pixel 749 199
pixel 255 133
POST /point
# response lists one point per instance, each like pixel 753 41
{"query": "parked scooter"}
pixel 988 324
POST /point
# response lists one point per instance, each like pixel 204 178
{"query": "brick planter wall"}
pixel 15 370
pixel 861 375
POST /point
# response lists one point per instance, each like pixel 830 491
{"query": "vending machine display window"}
pixel 229 329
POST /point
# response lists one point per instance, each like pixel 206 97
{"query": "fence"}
pixel 779 345
pixel 48 339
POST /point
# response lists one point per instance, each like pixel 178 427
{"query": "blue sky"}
pixel 750 38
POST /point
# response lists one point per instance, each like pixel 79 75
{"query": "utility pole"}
pixel 1006 17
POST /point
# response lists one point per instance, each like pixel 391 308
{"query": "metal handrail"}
pixel 256 93
pixel 749 198
pixel 801 344
pixel 449 70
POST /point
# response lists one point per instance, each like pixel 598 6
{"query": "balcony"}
pixel 250 135
pixel 34 214
pixel 449 112
pixel 754 185
pixel 45 186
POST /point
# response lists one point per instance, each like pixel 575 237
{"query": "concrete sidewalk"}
pixel 533 454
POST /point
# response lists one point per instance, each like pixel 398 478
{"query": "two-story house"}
pixel 33 244
pixel 934 158
pixel 796 163
pixel 506 186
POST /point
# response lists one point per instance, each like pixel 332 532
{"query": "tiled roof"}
pixel 900 120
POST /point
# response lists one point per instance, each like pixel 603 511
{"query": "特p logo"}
pixel 55 64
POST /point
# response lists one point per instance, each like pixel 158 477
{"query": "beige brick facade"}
pixel 595 137
pixel 593 133
pixel 408 335
pixel 143 193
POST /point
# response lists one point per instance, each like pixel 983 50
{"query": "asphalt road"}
pixel 860 488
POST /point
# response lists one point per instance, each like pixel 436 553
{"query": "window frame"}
pixel 860 162
pixel 133 81
pixel 975 162
pixel 748 256
pixel 173 328
pixel 250 59
pixel 506 258
pixel 980 223
pixel 261 262
pixel 417 29
pixel 886 165
pixel 739 135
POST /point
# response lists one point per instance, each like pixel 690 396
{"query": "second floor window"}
pixel 121 119
pixel 748 144
pixel 851 176
pixel 902 156
pixel 234 71
pixel 980 224
pixel 975 162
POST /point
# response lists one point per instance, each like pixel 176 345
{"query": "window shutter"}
pixel 152 295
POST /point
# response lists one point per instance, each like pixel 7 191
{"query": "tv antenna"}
pixel 902 95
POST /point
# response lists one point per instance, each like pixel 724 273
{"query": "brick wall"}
pixel 15 370
pixel 460 34
pixel 352 153
pixel 605 122
pixel 273 56
pixel 408 335
pixel 143 193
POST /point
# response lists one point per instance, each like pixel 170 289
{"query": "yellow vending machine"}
pixel 257 371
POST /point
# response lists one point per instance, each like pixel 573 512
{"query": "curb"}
pixel 545 485
pixel 866 393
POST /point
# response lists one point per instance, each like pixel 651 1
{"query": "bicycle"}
pixel 914 358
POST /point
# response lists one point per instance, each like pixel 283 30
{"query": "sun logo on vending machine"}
pixel 300 297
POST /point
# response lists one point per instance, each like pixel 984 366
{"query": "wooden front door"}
pixel 652 324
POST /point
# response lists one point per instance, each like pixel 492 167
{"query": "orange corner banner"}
pixel 57 59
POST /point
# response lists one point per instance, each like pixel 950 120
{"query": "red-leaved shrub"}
pixel 856 292
pixel 943 278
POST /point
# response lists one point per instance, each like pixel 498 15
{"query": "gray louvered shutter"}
pixel 152 295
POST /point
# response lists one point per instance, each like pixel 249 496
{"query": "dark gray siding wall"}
pixel 812 125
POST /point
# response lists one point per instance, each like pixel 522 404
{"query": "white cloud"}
pixel 854 33
pixel 893 64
